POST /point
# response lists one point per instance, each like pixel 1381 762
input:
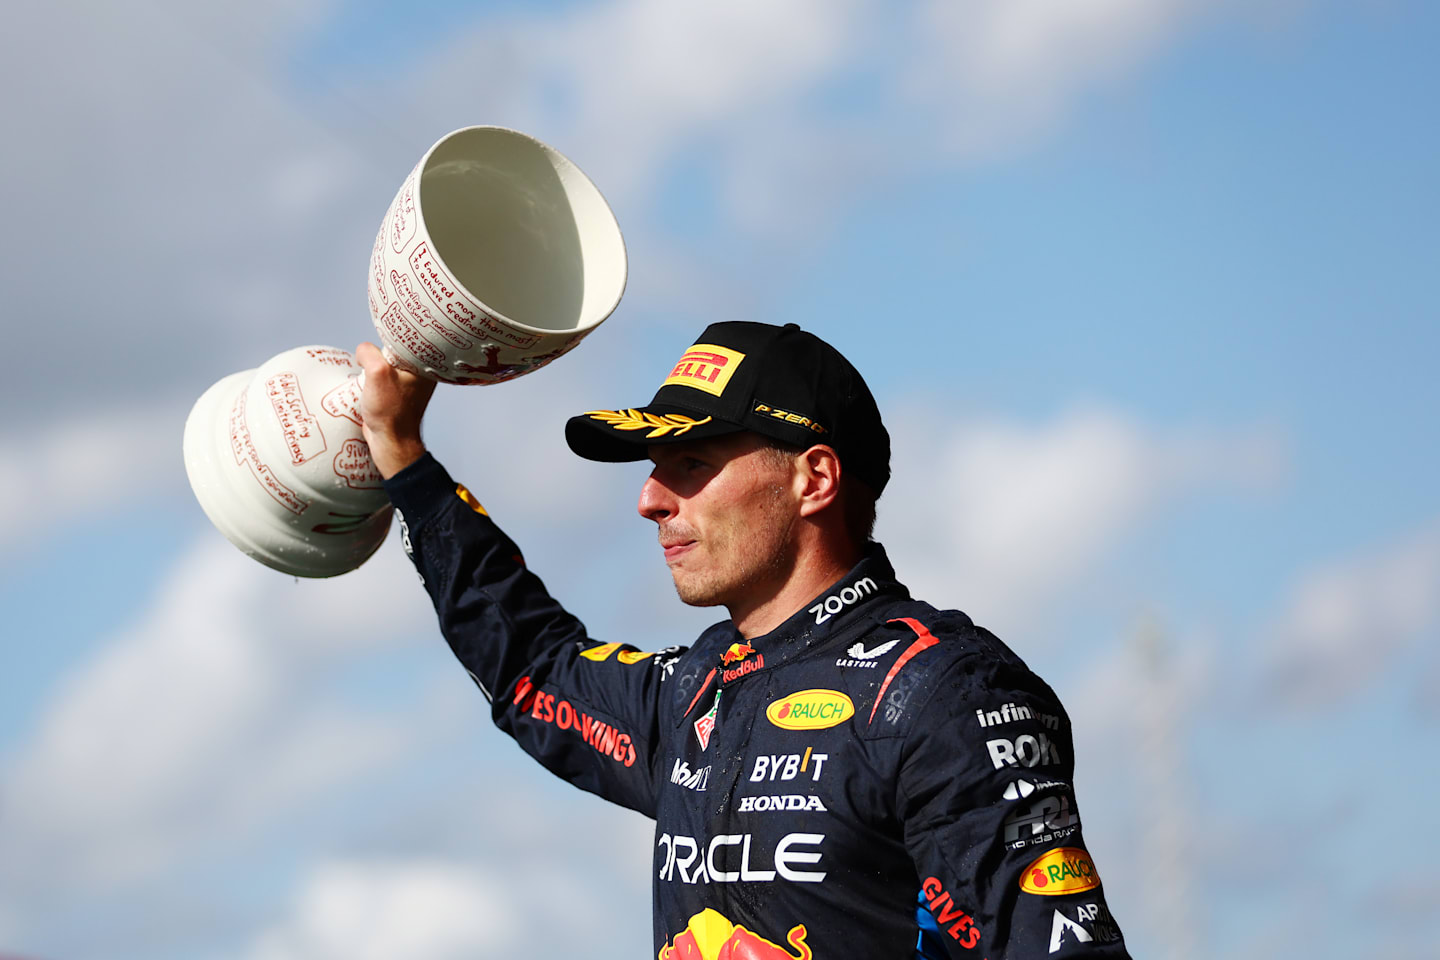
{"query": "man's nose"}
pixel 657 502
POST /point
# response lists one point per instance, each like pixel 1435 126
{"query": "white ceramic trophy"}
pixel 497 256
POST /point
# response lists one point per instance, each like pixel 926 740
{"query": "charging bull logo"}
pixel 736 653
pixel 710 936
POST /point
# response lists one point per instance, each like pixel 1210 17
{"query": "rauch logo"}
pixel 810 710
pixel 1060 871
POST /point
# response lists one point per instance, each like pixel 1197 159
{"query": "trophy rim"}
pixel 612 221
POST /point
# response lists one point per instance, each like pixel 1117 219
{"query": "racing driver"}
pixel 838 770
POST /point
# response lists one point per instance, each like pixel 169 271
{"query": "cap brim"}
pixel 619 436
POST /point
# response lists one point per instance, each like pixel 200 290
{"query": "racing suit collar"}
pixel 827 615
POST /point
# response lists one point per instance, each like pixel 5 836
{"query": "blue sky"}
pixel 1145 289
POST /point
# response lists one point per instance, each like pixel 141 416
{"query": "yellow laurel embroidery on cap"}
pixel 659 424
pixel 705 366
pixel 470 500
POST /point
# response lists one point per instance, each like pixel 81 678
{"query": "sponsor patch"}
pixel 841 599
pixel 789 801
pixel 858 656
pixel 469 498
pixel 601 652
pixel 810 710
pixel 603 737
pixel 939 902
pixel 688 860
pixel 710 934
pixel 1020 789
pixel 1060 871
pixel 706 367
pixel 695 780
pixel 706 724
pixel 1046 820
pixel 735 653
pixel 1092 924
pixel 789 416
pixel 787 766
pixel 1026 750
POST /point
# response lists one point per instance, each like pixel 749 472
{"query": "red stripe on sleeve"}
pixel 925 640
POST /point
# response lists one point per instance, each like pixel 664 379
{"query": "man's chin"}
pixel 695 594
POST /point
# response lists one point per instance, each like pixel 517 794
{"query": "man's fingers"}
pixel 371 360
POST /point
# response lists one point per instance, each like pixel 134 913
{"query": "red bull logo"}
pixel 710 936
pixel 736 653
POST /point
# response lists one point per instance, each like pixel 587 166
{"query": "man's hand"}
pixel 392 407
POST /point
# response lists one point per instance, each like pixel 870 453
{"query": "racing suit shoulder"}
pixel 927 654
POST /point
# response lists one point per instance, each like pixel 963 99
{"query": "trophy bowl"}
pixel 497 256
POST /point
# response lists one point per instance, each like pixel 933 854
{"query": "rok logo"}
pixel 1092 924
pixel 699 861
pixel 963 929
pixel 789 801
pixel 810 710
pixel 683 776
pixel 1046 820
pixel 1024 751
pixel 1060 871
pixel 787 766
pixel 836 602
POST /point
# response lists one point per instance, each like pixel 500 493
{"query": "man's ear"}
pixel 819 469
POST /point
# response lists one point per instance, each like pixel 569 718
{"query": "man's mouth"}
pixel 675 548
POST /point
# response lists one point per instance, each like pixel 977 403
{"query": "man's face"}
pixel 726 509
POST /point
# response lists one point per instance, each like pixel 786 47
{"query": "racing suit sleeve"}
pixel 586 710
pixel 992 826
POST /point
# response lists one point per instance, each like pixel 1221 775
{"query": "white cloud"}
pixel 1006 67
pixel 739 99
pixel 204 719
pixel 86 465
pixel 1001 518
pixel 1346 621
pixel 381 910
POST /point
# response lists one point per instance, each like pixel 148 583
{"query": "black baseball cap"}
pixel 782 382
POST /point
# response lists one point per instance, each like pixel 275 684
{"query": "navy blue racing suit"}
pixel 874 778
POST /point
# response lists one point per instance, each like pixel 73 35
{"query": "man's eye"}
pixel 692 464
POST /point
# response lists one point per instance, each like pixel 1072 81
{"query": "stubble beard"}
pixel 739 566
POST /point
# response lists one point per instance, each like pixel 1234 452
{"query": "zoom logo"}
pixel 836 602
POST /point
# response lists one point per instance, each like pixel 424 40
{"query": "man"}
pixel 838 770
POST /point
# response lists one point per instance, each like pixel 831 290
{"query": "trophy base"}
pixel 236 500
